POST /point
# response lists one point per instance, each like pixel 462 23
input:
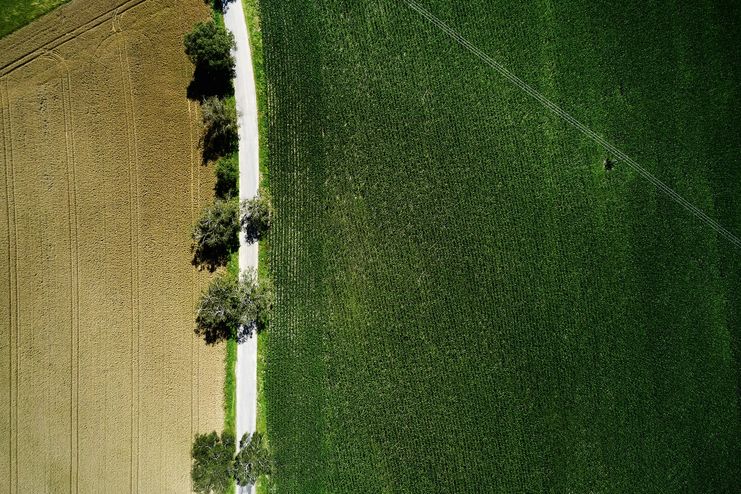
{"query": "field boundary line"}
pixel 557 110
pixel 192 281
pixel 66 37
pixel 132 157
pixel 13 275
pixel 6 160
pixel 194 351
pixel 6 164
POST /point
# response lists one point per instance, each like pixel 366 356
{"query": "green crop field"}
pixel 467 300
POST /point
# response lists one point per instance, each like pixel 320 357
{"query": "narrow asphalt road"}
pixel 246 96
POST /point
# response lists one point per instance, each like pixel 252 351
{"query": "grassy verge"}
pixel 230 364
pixel 230 382
pixel 252 18
pixel 14 14
pixel 230 388
pixel 216 13
pixel 230 361
pixel 263 484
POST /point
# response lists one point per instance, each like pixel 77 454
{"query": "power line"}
pixel 575 123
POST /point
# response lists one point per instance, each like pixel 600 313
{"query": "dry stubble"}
pixel 105 383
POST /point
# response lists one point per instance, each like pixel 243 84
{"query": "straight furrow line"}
pixel 15 306
pixel 74 279
pixel 134 253
pixel 6 162
pixel 194 287
pixel 198 361
pixel 12 285
pixel 138 236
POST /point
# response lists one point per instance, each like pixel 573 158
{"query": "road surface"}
pixel 246 96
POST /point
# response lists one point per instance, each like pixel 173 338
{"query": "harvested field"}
pixel 103 381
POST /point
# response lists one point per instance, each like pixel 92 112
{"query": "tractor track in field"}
pixel 194 354
pixel 134 207
pixel 13 284
pixel 73 232
pixel 82 129
pixel 67 37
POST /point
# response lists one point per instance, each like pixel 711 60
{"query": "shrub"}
pixel 234 308
pixel 216 234
pixel 213 463
pixel 227 176
pixel 221 133
pixel 252 460
pixel 257 216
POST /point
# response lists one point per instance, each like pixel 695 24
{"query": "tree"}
pixel 209 46
pixel 252 460
pixel 216 234
pixel 227 175
pixel 234 308
pixel 261 294
pixel 213 463
pixel 221 133
pixel 221 5
pixel 257 216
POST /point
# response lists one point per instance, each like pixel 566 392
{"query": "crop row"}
pixel 467 300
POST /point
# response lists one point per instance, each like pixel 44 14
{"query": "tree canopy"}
pixel 216 234
pixel 234 308
pixel 221 133
pixel 252 460
pixel 257 216
pixel 227 176
pixel 213 463
pixel 209 46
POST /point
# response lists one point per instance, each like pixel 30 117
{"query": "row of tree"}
pixel 216 233
pixel 232 307
pixel 216 462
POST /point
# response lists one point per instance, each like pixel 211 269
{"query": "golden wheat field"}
pixel 103 382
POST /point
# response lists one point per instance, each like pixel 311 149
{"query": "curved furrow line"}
pixel 67 37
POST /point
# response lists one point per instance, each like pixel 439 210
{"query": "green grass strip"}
pixel 230 369
pixel 262 486
pixel 230 388
pixel 230 361
pixel 14 14
pixel 252 17
pixel 216 14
